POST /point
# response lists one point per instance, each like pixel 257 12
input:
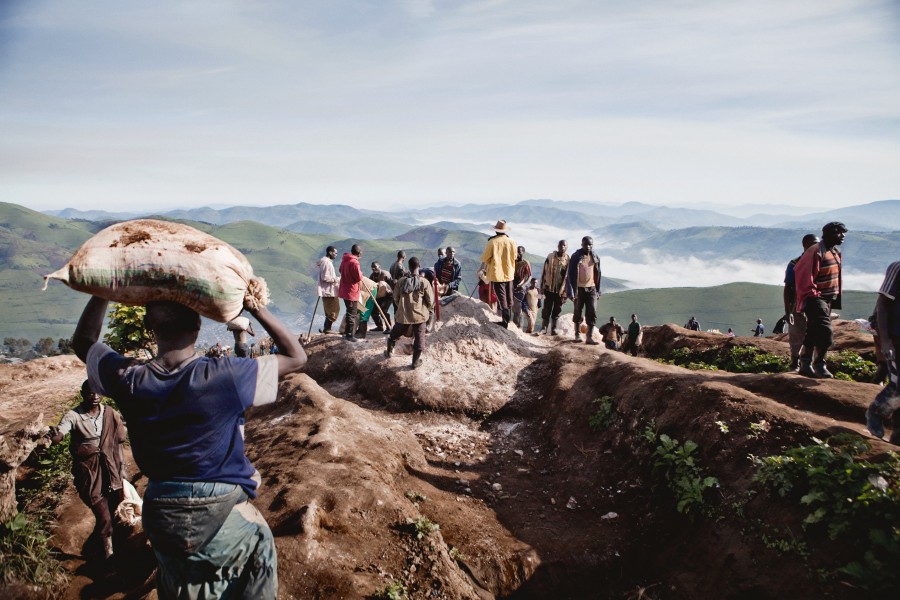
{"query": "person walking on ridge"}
pixel 98 459
pixel 185 416
pixel 414 296
pixel 887 311
pixel 818 280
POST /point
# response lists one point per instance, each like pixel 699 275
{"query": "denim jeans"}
pixel 209 542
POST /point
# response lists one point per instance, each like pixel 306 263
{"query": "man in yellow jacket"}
pixel 499 257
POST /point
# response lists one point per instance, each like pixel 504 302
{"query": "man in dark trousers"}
pixel 414 296
pixel 553 286
pixel 499 258
pixel 583 287
pixel 348 289
pixel 795 317
pixel 887 311
pixel 817 276
pixel 185 415
pixel 98 460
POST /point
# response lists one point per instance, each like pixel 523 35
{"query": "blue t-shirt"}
pixel 187 424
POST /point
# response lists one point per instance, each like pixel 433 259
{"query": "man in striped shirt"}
pixel 817 277
pixel 887 309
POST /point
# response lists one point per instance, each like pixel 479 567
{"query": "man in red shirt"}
pixel 351 275
pixel 817 276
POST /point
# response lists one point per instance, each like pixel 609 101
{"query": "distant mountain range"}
pixel 878 216
pixel 283 243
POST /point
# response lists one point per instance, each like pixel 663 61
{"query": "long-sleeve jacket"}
pixel 351 275
pixel 413 307
pixel 326 286
pixel 553 275
pixel 572 272
pixel 454 278
pixel 818 274
pixel 499 256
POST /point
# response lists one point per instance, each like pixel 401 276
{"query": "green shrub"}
pixel 604 416
pixel 735 359
pixel 392 591
pixel 684 476
pixel 854 501
pixel 25 556
pixel 849 365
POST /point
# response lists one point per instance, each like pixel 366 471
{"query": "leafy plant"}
pixel 392 591
pixel 850 366
pixel 604 416
pixel 757 429
pixel 127 332
pixel 456 554
pixel 423 527
pixel 415 497
pixel 853 500
pixel 682 472
pixel 723 426
pixel 735 359
pixel 25 555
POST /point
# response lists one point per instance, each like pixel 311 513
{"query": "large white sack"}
pixel 139 261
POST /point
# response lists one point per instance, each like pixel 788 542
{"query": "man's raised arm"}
pixel 87 332
pixel 291 356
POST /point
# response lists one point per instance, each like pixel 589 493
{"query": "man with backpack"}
pixel 794 314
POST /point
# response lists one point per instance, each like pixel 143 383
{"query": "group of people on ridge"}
pixel 185 412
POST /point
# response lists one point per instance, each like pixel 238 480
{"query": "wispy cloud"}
pixel 415 100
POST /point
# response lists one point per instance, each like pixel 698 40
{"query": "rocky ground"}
pixel 478 474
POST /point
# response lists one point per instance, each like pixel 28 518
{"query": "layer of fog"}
pixel 658 270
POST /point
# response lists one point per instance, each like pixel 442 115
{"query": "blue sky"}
pixel 118 105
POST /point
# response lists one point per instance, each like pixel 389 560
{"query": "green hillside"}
pixel 735 305
pixel 33 244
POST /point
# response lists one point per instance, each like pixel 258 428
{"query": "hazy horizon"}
pixel 409 102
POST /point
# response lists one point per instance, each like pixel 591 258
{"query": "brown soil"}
pixel 490 439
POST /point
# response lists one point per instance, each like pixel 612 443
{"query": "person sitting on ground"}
pixel 216 351
pixel 414 296
pixel 448 271
pixel 730 332
pixel 635 336
pixel 98 459
pixel 612 334
pixel 185 415
pixel 759 330
pixel 692 324
pixel 532 296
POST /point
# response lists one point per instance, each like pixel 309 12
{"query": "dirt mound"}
pixel 469 366
pixel 484 473
pixel 663 339
pixel 44 386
